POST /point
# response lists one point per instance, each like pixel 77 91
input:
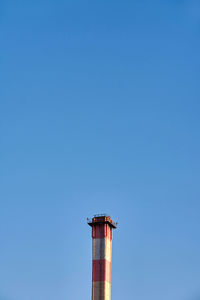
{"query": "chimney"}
pixel 102 226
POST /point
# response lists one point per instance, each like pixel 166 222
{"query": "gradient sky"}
pixel 99 112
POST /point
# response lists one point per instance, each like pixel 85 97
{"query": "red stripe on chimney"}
pixel 100 231
pixel 101 270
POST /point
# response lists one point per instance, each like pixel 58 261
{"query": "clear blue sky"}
pixel 99 112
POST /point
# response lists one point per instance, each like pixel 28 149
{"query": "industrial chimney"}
pixel 102 227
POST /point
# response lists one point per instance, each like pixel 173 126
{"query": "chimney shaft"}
pixel 102 227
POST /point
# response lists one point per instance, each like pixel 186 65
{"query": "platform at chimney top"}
pixel 102 219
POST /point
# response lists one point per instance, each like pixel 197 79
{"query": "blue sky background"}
pixel 99 112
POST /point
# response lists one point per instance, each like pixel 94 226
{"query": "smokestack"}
pixel 102 227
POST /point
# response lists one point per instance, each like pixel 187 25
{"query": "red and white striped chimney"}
pixel 102 227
